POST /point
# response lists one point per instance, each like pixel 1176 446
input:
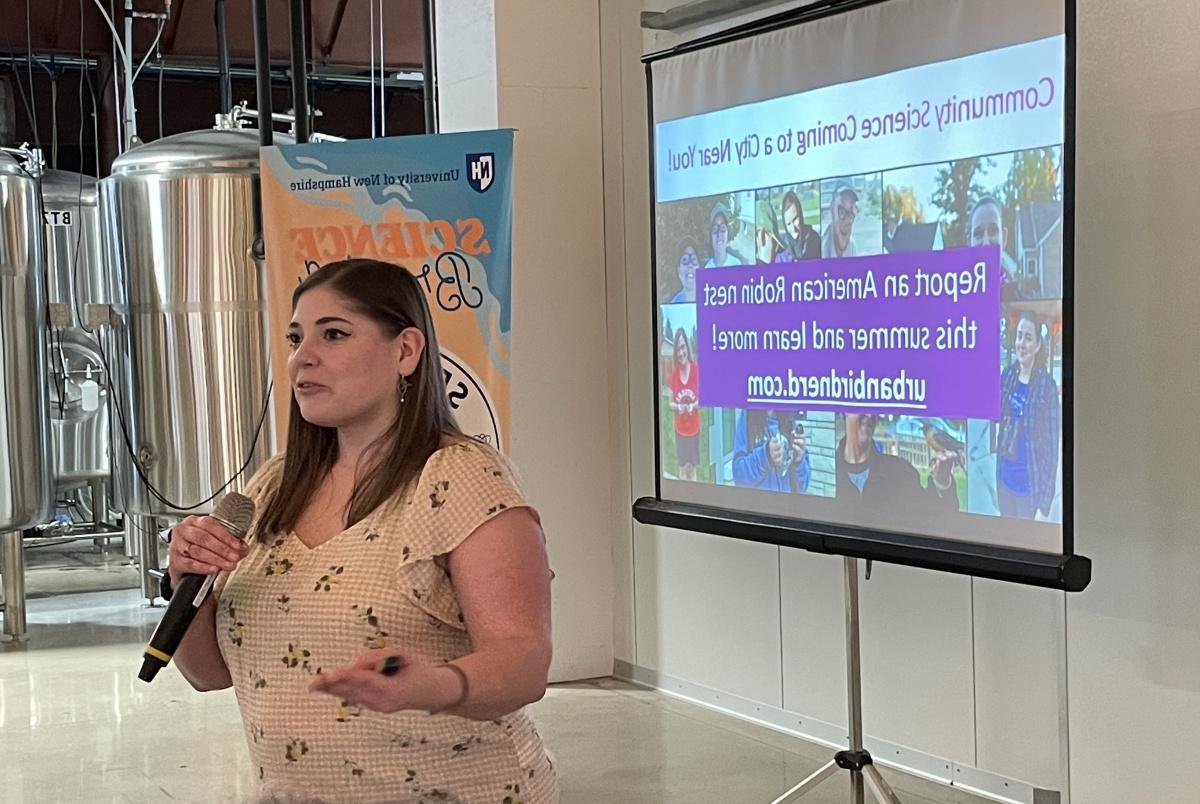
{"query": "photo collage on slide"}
pixel 1009 467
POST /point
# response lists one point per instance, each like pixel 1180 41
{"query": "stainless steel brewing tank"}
pixel 178 216
pixel 25 496
pixel 78 392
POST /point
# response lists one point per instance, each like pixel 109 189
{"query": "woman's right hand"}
pixel 203 546
pixel 775 451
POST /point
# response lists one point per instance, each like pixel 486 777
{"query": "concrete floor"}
pixel 77 724
pixel 72 567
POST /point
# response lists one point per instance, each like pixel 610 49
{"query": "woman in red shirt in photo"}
pixel 685 401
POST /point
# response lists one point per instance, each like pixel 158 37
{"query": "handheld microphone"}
pixel 235 512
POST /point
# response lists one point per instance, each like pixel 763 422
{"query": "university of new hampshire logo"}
pixel 481 171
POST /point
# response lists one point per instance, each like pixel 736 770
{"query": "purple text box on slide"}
pixel 763 334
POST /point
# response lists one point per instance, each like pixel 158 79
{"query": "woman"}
pixel 689 262
pixel 381 532
pixel 1027 444
pixel 720 221
pixel 767 457
pixel 685 401
pixel 802 241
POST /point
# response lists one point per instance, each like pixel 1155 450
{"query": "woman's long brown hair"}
pixel 390 296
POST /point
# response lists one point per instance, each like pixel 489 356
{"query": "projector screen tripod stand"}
pixel 856 759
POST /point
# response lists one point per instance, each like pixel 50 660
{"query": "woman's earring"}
pixel 403 383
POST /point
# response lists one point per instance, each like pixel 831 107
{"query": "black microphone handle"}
pixel 186 600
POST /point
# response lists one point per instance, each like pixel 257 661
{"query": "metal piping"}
pixel 299 71
pixel 429 82
pixel 262 69
pixel 225 82
pixel 405 79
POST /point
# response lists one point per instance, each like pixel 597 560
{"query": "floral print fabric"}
pixel 288 611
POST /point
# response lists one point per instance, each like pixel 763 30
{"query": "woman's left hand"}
pixel 418 684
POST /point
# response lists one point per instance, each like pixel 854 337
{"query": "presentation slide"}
pixel 859 272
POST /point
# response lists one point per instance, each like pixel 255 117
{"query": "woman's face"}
pixel 683 351
pixel 987 227
pixel 860 430
pixel 793 220
pixel 1028 342
pixel 688 263
pixel 343 367
pixel 845 210
pixel 720 235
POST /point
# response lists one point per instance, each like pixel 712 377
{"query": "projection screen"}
pixel 863 271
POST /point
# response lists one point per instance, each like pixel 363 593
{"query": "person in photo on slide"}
pixel 685 402
pixel 770 451
pixel 843 209
pixel 868 476
pixel 1029 430
pixel 689 262
pixel 800 241
pixel 720 232
pixel 987 229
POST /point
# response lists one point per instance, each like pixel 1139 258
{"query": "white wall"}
pixel 465 56
pixel 519 65
pixel 992 676
pixel 1134 635
pixel 549 90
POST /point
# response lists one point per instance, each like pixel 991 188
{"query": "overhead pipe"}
pixel 129 130
pixel 427 29
pixel 409 80
pixel 266 131
pixel 382 74
pixel 299 71
pixel 225 82
pixel 262 69
pixel 339 14
pixel 371 41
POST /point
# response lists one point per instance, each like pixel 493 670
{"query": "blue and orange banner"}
pixel 437 205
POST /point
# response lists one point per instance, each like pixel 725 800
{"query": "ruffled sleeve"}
pixel 461 488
